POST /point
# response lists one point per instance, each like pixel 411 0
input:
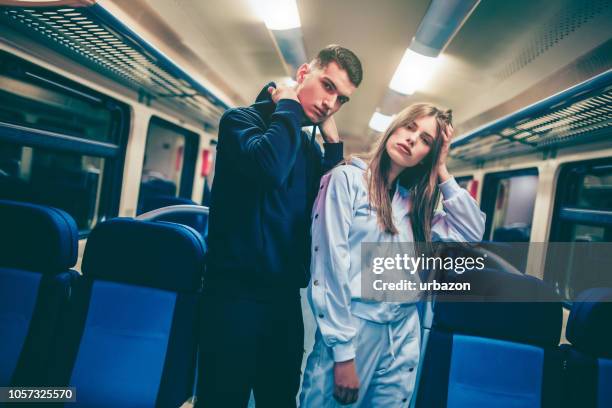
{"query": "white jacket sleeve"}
pixel 461 220
pixel 329 284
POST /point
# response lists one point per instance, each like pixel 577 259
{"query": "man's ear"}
pixel 301 73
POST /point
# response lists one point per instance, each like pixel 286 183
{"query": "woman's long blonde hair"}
pixel 421 179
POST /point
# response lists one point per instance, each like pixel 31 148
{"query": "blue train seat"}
pixel 494 353
pixel 588 361
pixel 39 246
pixel 130 337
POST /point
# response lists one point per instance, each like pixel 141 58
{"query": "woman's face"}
pixel 409 145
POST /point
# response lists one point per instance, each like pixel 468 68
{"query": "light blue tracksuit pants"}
pixel 387 357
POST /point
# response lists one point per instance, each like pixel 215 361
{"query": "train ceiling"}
pixel 506 56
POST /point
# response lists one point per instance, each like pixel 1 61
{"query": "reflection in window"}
pixel 513 212
pixel 69 181
pixel 30 100
pixel 595 190
pixel 169 166
pixel 583 215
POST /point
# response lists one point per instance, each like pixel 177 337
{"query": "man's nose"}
pixel 329 102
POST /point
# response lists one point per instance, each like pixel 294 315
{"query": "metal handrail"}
pixel 173 209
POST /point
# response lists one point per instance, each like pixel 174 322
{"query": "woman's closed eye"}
pixel 426 139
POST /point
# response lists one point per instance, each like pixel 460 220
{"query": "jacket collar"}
pixel 266 106
pixel 264 103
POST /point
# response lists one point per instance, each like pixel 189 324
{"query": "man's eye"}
pixel 327 86
pixel 410 127
pixel 426 140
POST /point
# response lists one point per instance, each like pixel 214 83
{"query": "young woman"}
pixel 367 352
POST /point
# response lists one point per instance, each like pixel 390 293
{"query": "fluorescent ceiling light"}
pixel 380 122
pixel 413 72
pixel 278 14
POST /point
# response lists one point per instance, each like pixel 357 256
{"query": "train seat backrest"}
pixel 512 233
pixel 39 246
pixel 588 361
pixel 195 221
pixel 133 320
pixel 502 352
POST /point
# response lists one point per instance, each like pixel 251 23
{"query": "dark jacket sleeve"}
pixel 263 155
pixel 333 154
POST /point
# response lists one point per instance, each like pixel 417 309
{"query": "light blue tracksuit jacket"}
pixel 382 337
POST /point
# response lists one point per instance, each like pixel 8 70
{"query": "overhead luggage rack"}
pixel 580 114
pixel 92 36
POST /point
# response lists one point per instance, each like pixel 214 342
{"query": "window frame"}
pixel 190 153
pixel 489 194
pixel 113 153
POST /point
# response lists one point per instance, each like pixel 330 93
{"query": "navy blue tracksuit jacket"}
pixel 266 179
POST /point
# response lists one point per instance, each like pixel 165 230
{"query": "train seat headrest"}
pixel 517 308
pixel 154 254
pixel 37 238
pixel 589 327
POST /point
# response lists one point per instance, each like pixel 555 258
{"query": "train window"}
pixel 508 199
pixel 464 181
pixel 468 183
pixel 32 98
pixel 60 144
pixel 583 214
pixel 169 165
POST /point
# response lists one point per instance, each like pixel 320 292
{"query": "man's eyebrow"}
pixel 330 82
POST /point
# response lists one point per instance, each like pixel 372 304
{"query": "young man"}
pixel 266 178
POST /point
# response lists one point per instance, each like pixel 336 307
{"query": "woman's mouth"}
pixel 405 149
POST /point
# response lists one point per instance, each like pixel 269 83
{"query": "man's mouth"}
pixel 319 112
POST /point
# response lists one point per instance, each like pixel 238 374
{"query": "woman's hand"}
pixel 329 131
pixel 346 382
pixel 443 173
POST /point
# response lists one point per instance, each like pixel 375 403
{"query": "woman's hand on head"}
pixel 447 135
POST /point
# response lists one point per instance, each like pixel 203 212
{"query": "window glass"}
pixel 69 181
pixel 30 99
pixel 583 214
pixel 464 182
pixel 512 214
pixel 169 166
pixel 595 189
pixel 50 150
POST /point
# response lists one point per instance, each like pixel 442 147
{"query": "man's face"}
pixel 322 91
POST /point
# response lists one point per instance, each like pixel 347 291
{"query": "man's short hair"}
pixel 345 58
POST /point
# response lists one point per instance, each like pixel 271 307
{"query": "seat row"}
pixel 505 353
pixel 124 333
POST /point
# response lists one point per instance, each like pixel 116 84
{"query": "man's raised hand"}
pixel 282 92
